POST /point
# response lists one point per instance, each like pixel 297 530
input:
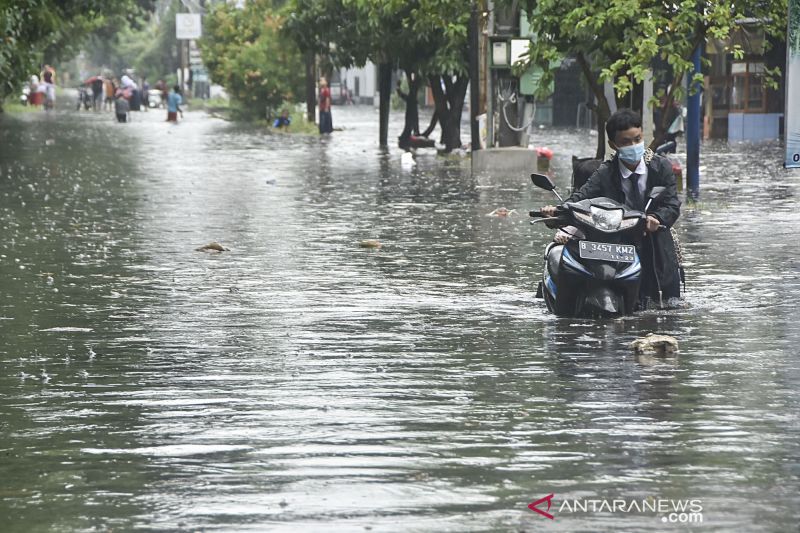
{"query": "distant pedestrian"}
pixel 121 106
pixel 51 76
pixel 283 121
pixel 162 87
pixel 145 93
pixel 36 96
pixel 96 83
pixel 174 101
pixel 325 118
pixel 109 89
pixel 49 88
pixel 127 82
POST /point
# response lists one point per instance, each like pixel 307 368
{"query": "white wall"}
pixel 367 76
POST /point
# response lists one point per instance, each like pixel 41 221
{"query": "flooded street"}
pixel 299 382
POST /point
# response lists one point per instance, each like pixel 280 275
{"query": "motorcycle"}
pixel 598 271
pixel 84 98
pixel 154 99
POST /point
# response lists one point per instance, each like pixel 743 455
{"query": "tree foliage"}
pixel 244 51
pixel 426 38
pixel 39 31
pixel 618 40
pixel 794 45
pixel 148 45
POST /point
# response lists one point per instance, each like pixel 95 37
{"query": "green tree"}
pixel 618 40
pixel 425 38
pixel 443 25
pixel 794 26
pixel 39 31
pixel 149 45
pixel 314 26
pixel 244 51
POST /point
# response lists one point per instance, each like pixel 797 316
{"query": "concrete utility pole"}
pixel 490 83
pixel 693 132
pixel 385 88
pixel 182 63
pixel 184 45
pixel 474 78
pixel 647 111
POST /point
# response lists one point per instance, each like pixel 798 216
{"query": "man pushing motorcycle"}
pixel 628 178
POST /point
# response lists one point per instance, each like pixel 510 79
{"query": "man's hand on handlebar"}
pixel 549 211
pixel 561 237
pixel 653 224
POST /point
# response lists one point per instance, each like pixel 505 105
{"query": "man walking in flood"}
pixel 174 102
pixel 325 118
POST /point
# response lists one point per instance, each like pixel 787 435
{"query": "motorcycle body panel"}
pixel 580 286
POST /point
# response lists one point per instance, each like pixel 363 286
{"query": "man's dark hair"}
pixel 177 89
pixel 623 119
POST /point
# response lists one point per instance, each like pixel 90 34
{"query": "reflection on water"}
pixel 300 382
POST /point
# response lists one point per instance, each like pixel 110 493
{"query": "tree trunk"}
pixel 669 99
pixel 449 105
pixel 434 121
pixel 411 125
pixel 602 111
pixel 311 91
pixel 385 88
pixel 664 121
pixel 474 75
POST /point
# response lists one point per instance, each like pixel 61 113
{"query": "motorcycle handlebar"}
pixel 560 210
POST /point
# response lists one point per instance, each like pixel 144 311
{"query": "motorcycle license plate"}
pixel 602 251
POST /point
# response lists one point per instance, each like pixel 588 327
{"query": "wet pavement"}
pixel 300 382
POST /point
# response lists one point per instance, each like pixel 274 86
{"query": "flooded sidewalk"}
pixel 301 382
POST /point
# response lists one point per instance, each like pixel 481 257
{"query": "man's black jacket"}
pixel 607 181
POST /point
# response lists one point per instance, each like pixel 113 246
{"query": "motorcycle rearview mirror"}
pixel 544 182
pixel 656 193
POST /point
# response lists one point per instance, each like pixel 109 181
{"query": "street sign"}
pixel 188 26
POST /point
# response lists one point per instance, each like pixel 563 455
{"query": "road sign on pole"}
pixel 792 114
pixel 188 26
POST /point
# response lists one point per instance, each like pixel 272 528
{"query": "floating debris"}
pixel 655 344
pixel 212 247
pixel 66 329
pixel 407 161
pixel 370 243
pixel 502 212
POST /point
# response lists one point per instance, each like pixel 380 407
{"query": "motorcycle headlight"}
pixel 583 217
pixel 606 219
pixel 628 223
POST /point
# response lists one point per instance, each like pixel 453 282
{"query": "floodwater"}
pixel 299 382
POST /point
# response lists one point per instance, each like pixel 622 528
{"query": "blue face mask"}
pixel 631 154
